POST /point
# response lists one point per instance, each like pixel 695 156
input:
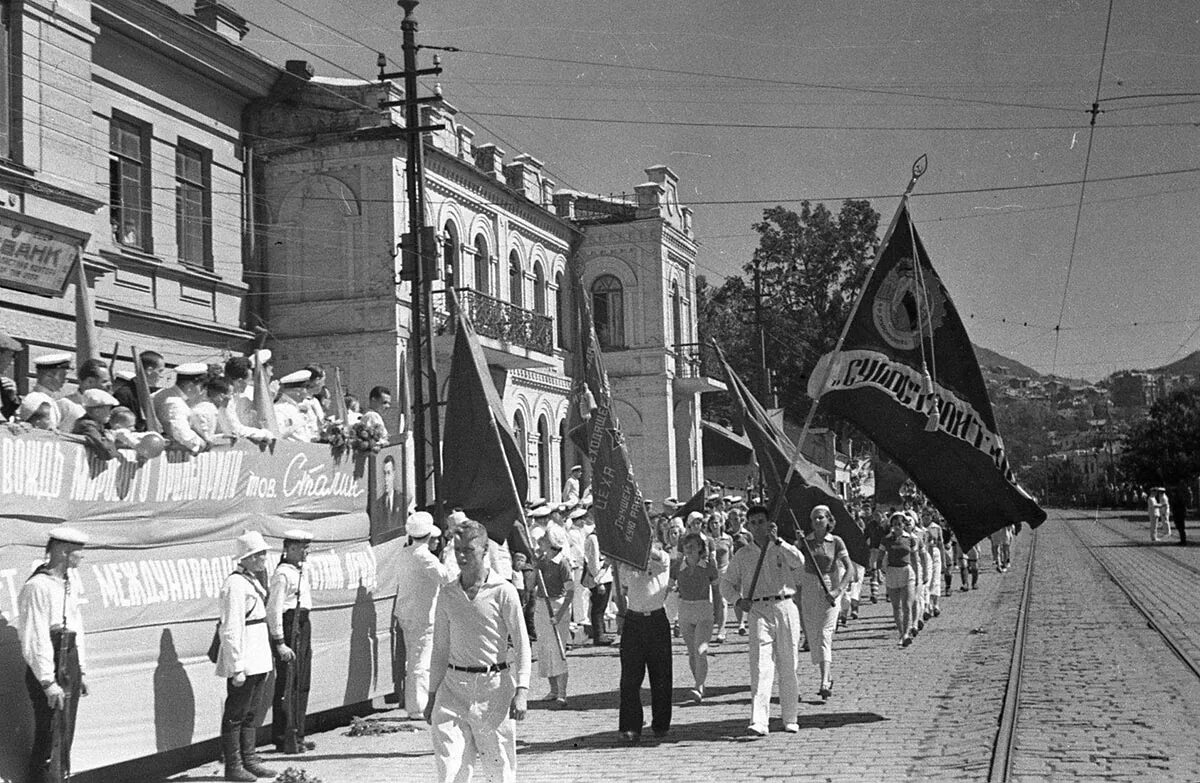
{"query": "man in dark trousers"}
pixel 52 645
pixel 645 646
pixel 288 606
pixel 1179 496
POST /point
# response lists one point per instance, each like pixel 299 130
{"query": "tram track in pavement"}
pixel 1168 637
pixel 1160 551
pixel 1004 745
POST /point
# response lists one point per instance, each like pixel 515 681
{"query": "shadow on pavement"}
pixel 610 700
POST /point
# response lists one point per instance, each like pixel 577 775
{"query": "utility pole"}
pixel 419 267
pixel 766 392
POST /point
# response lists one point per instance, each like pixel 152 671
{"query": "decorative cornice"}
pixel 541 381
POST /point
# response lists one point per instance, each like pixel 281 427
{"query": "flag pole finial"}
pixel 918 168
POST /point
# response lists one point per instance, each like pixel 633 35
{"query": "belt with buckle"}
pixel 494 667
pixel 636 613
pixel 779 597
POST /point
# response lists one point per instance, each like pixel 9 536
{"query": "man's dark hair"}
pixel 237 367
pixel 378 392
pixel 148 358
pixel 758 509
pixel 389 460
pixel 91 368
pixel 318 372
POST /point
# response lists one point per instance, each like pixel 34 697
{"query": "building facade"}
pixel 123 142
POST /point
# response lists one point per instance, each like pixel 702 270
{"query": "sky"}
pixel 1069 248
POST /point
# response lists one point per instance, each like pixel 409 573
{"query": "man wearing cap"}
pixel 51 631
pixel 51 375
pixel 598 579
pixel 570 493
pixel 762 574
pixel 288 605
pixel 244 659
pixel 10 400
pixel 293 423
pixel 92 374
pixel 421 577
pixel 539 518
pixel 479 674
pixel 97 408
pixel 173 406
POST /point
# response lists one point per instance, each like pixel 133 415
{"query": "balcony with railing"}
pixel 696 370
pixel 511 336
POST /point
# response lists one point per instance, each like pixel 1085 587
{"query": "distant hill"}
pixel 988 358
pixel 1188 365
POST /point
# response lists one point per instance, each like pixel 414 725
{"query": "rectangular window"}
pixel 129 183
pixel 193 205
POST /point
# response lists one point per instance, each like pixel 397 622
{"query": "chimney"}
pixel 221 19
pixel 490 160
pixel 524 174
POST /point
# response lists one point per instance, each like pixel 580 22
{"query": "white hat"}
pixel 95 397
pixel 298 535
pixel 125 375
pixel 297 378
pixel 420 524
pixel 695 515
pixel 734 498
pixel 68 535
pixel 53 360
pixel 191 370
pixel 541 511
pixel 576 467
pixel 250 543
pixel 579 512
pixel 261 355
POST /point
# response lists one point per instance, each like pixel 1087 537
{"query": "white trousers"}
pixel 550 660
pixel 774 638
pixel 471 728
pixel 418 650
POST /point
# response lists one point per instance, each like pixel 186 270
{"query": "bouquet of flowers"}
pixel 336 434
pixel 367 436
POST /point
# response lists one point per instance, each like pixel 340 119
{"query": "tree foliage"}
pixel 1165 447
pixel 812 264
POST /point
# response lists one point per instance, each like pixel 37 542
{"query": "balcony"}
pixel 511 336
pixel 692 373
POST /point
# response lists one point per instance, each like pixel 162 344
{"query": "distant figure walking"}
pixel 1158 508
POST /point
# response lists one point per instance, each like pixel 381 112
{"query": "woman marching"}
pixel 822 582
pixel 694 575
pixel 898 548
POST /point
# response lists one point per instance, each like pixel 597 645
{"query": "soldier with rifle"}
pixel 52 643
pixel 288 606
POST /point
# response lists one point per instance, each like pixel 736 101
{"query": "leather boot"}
pixel 231 754
pixel 251 761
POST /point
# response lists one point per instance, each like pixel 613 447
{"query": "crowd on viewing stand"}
pixel 205 405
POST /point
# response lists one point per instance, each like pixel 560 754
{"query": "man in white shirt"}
pixel 52 372
pixel 238 417
pixel 774 618
pixel 289 603
pixel 598 578
pixel 173 406
pixel 51 631
pixel 646 646
pixel 206 418
pixel 570 493
pixel 420 578
pixel 93 374
pixel 293 423
pixel 379 401
pixel 478 687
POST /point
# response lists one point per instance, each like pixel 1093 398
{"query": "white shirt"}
pixel 778 575
pixel 286 580
pixel 420 578
pixel 205 420
pixel 71 410
pixel 477 632
pixel 174 414
pixel 238 418
pixel 646 591
pixel 597 566
pixel 245 647
pixel 292 421
pixel 570 493
pixel 40 606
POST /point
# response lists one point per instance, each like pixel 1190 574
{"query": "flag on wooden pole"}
pixel 807 488
pixel 338 392
pixel 906 375
pixel 264 401
pixel 142 383
pixel 87 338
pixel 622 524
pixel 483 466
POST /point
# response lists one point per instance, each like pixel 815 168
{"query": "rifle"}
pixel 60 768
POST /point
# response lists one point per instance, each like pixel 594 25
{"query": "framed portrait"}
pixel 388 503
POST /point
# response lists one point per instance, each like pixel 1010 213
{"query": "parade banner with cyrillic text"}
pixel 161 544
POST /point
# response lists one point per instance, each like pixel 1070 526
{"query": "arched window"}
pixel 520 435
pixel 516 280
pixel 560 309
pixel 544 456
pixel 607 311
pixel 482 266
pixel 677 317
pixel 449 253
pixel 539 289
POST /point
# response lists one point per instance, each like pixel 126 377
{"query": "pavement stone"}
pixel 1103 698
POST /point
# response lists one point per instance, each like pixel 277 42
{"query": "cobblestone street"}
pixel 1102 696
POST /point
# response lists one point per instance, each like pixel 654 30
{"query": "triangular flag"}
pixel 87 338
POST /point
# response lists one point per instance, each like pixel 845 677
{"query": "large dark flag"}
pixel 483 469
pixel 907 376
pixel 622 524
pixel 807 488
